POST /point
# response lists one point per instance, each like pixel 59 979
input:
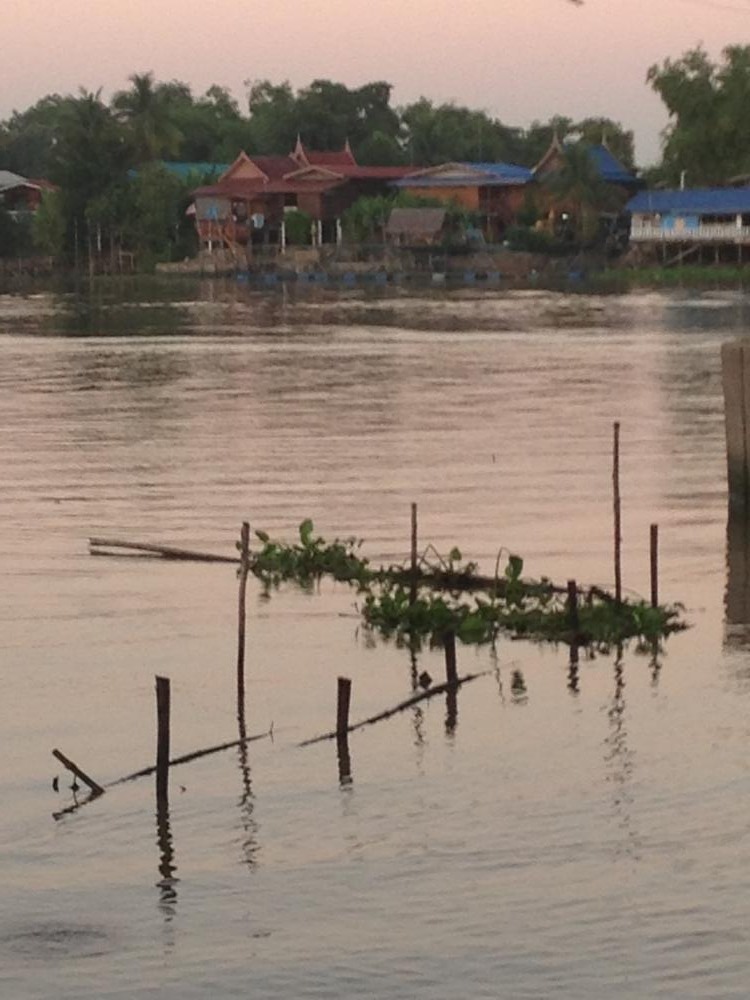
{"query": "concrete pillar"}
pixel 282 236
pixel 320 233
pixel 338 232
pixel 314 233
pixel 735 373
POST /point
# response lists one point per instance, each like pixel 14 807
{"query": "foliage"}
pixel 147 113
pixel 707 136
pixel 531 240
pixel 49 225
pixel 447 132
pixel 449 595
pixel 298 227
pixel 579 185
pixel 15 234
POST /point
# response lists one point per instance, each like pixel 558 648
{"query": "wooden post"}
pixel 96 789
pixel 451 675
pixel 414 568
pixel 735 373
pixel 342 707
pixel 244 547
pixel 573 609
pixel 617 511
pixel 162 739
pixel 654 547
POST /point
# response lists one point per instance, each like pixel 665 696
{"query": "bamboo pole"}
pixel 617 511
pixel 165 551
pixel 96 789
pixel 244 547
pixel 162 739
pixel 654 561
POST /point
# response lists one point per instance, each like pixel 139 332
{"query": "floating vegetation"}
pixel 445 594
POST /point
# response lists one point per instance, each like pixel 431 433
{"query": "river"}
pixel 570 834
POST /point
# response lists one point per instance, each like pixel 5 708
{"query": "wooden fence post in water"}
pixel 414 569
pixel 654 553
pixel 573 607
pixel 342 707
pixel 244 547
pixel 162 739
pixel 451 674
pixel 617 512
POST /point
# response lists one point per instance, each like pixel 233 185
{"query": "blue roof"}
pixel 490 175
pixel 695 201
pixel 185 170
pixel 609 167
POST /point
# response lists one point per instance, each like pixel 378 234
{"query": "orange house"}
pixel 248 204
pixel 493 191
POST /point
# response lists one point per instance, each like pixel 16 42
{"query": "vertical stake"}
pixel 573 609
pixel 342 707
pixel 244 547
pixel 617 512
pixel 451 675
pixel 413 592
pixel 654 546
pixel 162 739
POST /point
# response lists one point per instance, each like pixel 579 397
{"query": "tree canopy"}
pixel 708 135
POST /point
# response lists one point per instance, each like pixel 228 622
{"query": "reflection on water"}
pixel 167 883
pixel 620 760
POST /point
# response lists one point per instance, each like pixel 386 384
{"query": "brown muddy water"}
pixel 577 837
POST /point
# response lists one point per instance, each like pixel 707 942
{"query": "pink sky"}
pixel 516 59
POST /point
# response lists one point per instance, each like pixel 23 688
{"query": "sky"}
pixel 519 60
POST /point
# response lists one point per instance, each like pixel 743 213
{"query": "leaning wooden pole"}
pixel 617 511
pixel 343 701
pixel 162 739
pixel 244 547
pixel 96 789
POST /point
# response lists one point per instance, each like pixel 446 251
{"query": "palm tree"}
pixel 145 110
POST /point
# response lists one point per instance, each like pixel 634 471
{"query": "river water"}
pixel 567 835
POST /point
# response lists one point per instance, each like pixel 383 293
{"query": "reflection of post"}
pixel 246 802
pixel 167 867
pixel 737 598
pixel 162 740
pixel 573 669
pixel 735 371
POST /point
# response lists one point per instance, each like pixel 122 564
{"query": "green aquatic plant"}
pixel 447 594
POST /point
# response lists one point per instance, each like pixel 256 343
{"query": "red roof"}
pixel 275 167
pixel 343 158
pixel 242 189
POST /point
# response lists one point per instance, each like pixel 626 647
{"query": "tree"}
pixel 708 137
pixel 90 163
pixel 274 121
pixel 448 132
pixel 579 188
pixel 146 110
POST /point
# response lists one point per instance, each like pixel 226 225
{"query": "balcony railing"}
pixel 709 233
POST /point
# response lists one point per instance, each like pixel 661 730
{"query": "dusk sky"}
pixel 519 60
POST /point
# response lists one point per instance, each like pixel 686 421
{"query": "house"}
pixel 19 195
pixel 246 207
pixel 495 192
pixel 692 218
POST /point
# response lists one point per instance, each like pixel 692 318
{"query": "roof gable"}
pixel 243 168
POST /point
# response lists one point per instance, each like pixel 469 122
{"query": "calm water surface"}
pixel 570 836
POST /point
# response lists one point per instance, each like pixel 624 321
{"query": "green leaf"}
pixel 455 555
pixel 305 531
pixel 514 568
pixel 263 536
